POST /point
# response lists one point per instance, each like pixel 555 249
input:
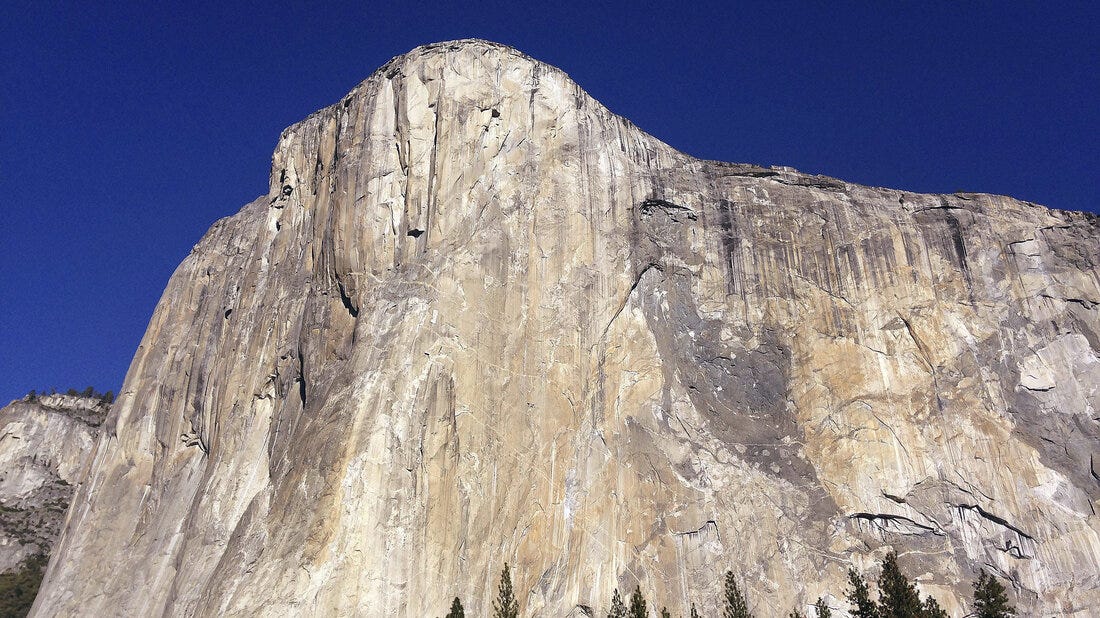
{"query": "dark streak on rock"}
pixel 346 300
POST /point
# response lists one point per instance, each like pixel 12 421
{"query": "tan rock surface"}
pixel 45 450
pixel 479 318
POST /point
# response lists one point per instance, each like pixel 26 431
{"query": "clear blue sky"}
pixel 126 130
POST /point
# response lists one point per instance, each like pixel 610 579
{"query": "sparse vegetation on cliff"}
pixel 88 393
pixel 18 588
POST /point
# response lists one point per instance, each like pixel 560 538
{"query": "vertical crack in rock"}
pixel 346 300
pixel 301 379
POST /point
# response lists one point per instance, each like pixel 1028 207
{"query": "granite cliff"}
pixel 478 318
pixel 45 446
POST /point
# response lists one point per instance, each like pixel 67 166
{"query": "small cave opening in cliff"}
pixel 414 232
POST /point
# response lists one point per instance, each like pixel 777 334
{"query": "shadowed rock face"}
pixel 479 318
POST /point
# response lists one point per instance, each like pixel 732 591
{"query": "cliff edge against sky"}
pixel 478 319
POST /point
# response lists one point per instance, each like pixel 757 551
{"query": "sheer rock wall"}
pixel 478 318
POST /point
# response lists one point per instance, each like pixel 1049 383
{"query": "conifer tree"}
pixel 897 598
pixel 456 610
pixel 860 597
pixel 822 609
pixel 735 605
pixel 505 605
pixel 637 604
pixel 796 614
pixel 694 612
pixel 665 613
pixel 618 609
pixel 931 608
pixel 990 600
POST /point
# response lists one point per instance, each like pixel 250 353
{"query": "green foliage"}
pixel 18 588
pixel 694 612
pixel 637 604
pixel 505 605
pixel 860 597
pixel 456 610
pixel 618 609
pixel 931 608
pixel 990 599
pixel 822 609
pixel 796 614
pixel 90 392
pixel 665 613
pixel 735 605
pixel 897 598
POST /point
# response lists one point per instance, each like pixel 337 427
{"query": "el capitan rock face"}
pixel 479 318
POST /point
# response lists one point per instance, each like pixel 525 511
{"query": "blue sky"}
pixel 126 130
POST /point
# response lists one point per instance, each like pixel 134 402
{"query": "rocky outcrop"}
pixel 478 319
pixel 45 445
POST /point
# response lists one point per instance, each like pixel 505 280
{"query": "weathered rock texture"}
pixel 45 448
pixel 479 318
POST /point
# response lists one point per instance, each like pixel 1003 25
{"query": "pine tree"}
pixel 897 598
pixel 456 610
pixel 618 609
pixel 931 608
pixel 665 613
pixel 822 609
pixel 505 605
pixel 860 597
pixel 796 614
pixel 694 612
pixel 637 604
pixel 990 600
pixel 735 604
